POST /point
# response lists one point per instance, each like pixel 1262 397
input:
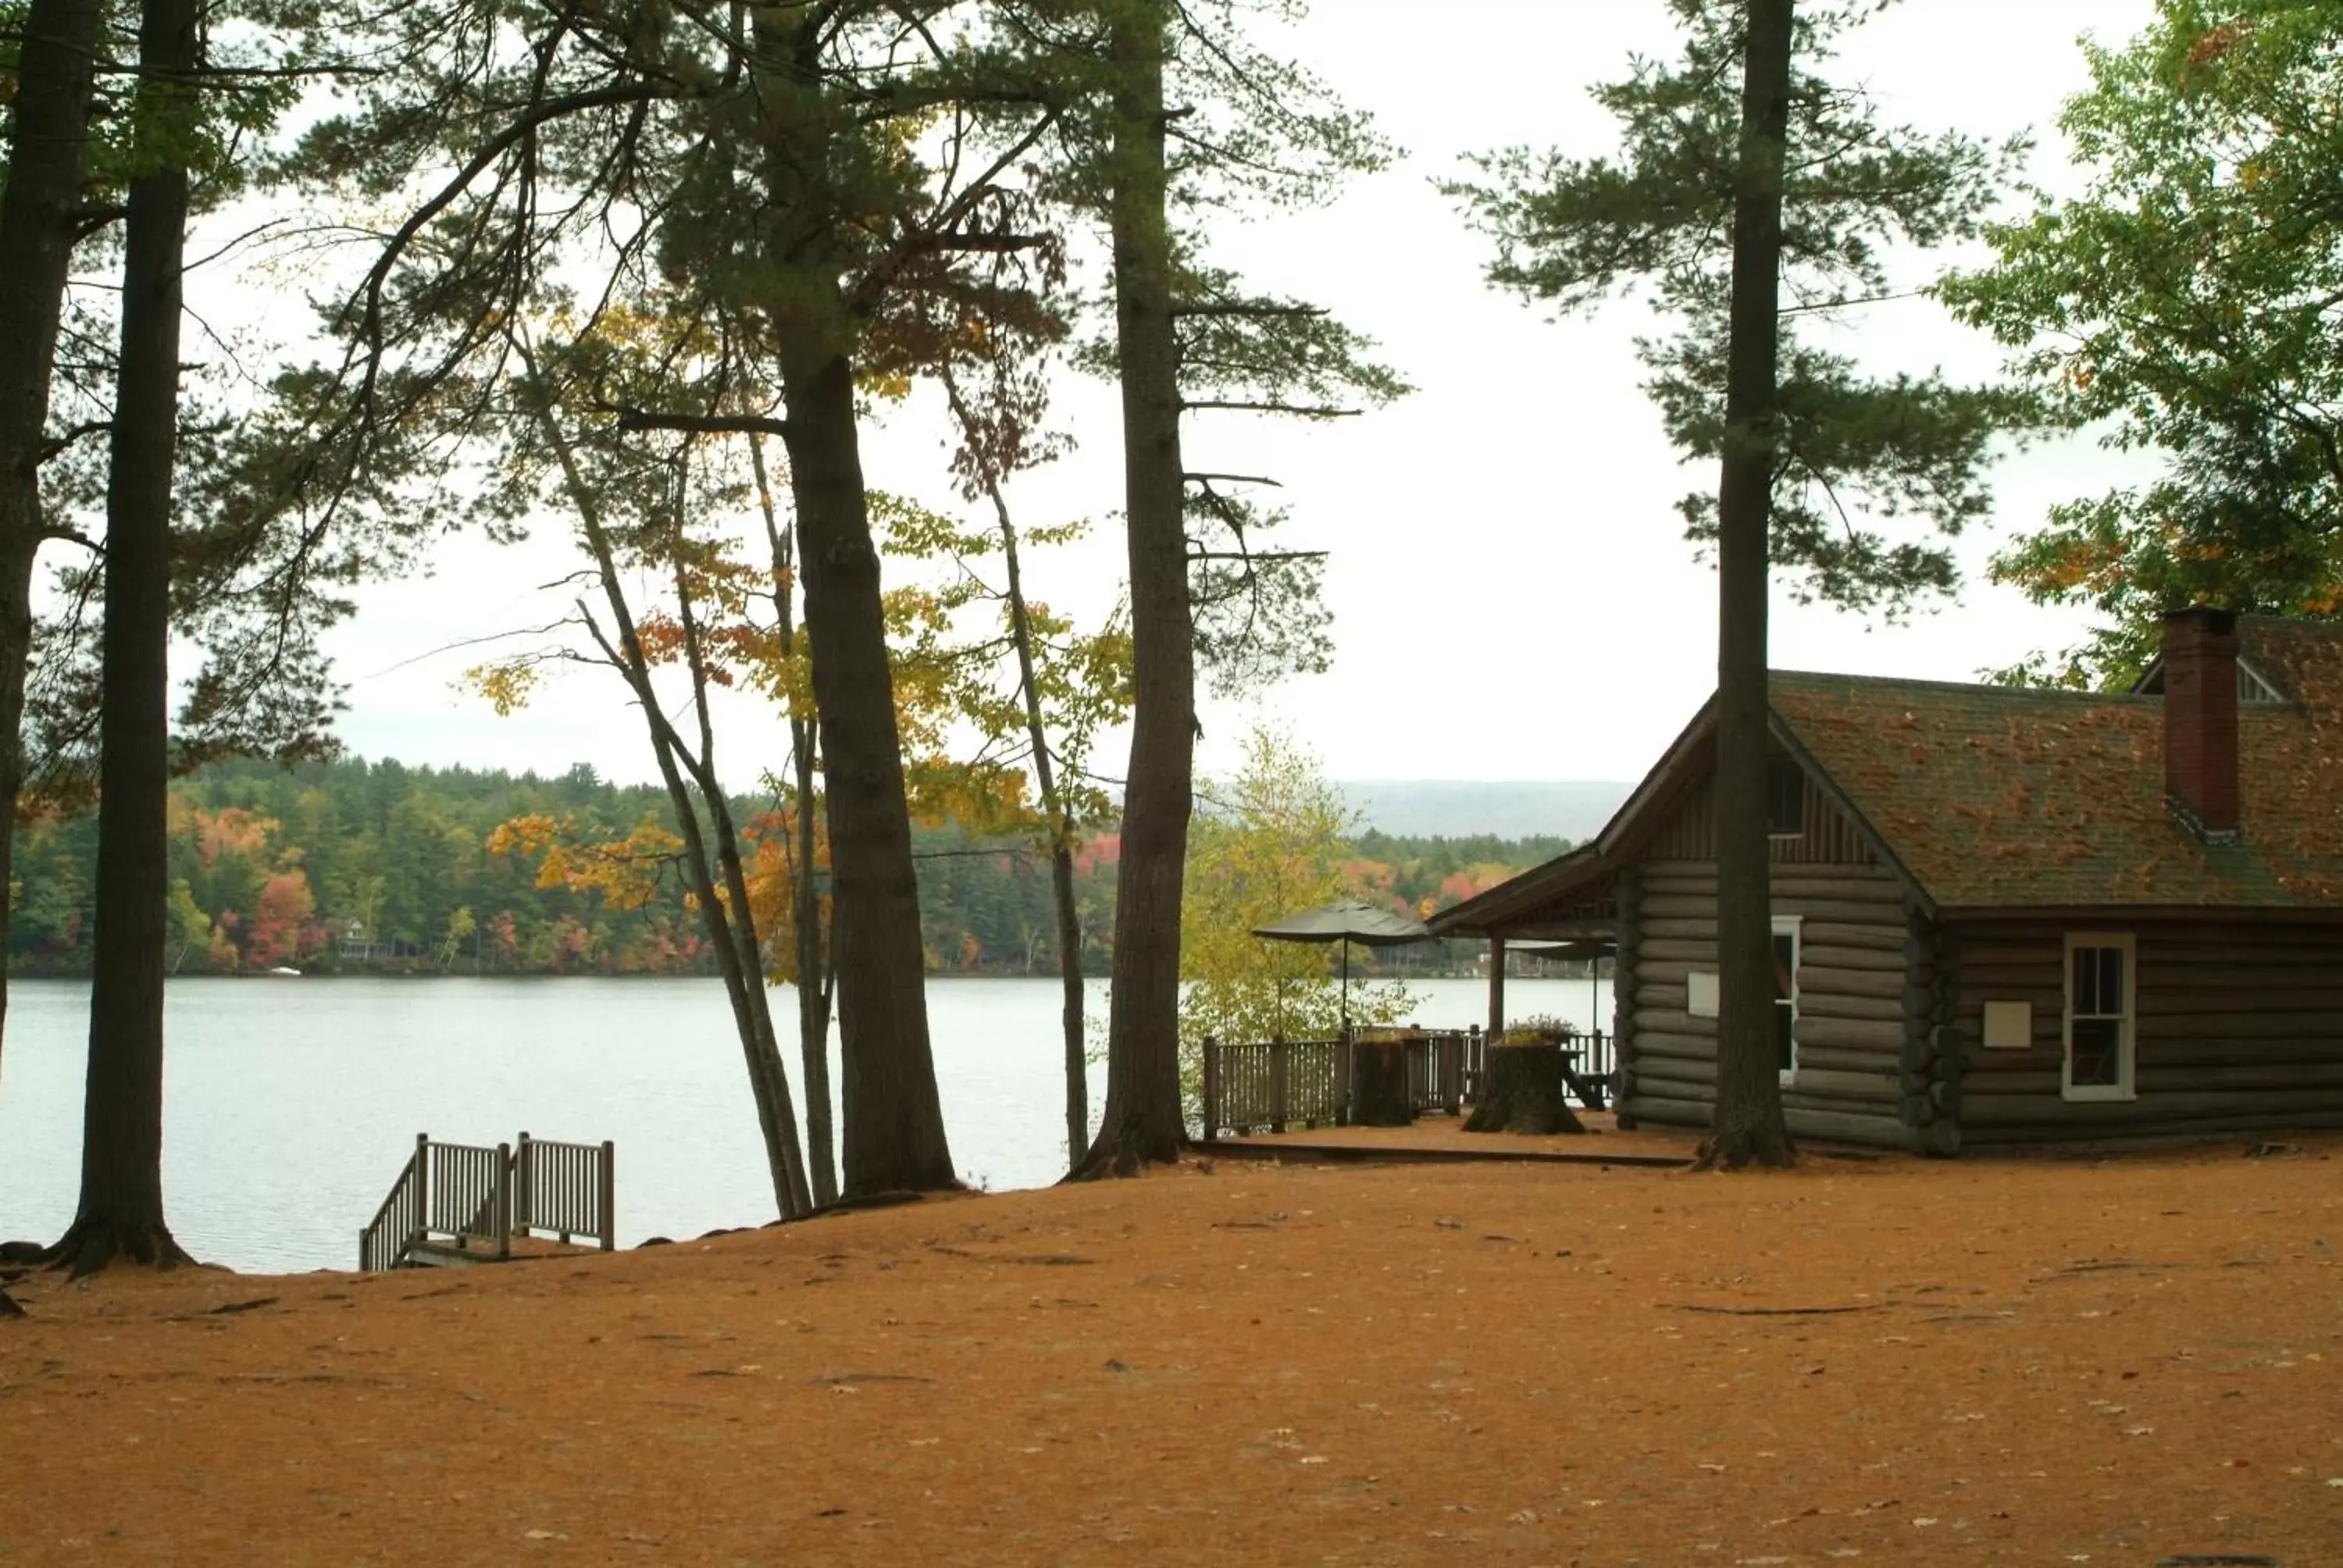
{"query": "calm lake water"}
pixel 290 1105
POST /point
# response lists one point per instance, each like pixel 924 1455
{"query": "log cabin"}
pixel 2000 915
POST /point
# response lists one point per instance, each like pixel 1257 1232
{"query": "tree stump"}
pixel 1521 1091
pixel 1378 1096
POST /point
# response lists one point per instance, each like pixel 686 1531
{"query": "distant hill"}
pixel 1576 809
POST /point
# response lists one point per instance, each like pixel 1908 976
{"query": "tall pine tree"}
pixel 1744 175
pixel 121 1207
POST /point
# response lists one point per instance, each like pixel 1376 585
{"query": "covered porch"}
pixel 1566 909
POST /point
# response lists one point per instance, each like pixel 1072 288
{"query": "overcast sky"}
pixel 1513 595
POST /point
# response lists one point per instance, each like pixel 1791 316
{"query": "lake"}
pixel 290 1105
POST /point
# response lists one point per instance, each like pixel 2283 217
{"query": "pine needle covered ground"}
pixel 2036 1359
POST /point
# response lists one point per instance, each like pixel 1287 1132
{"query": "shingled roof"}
pixel 2004 798
pixel 2007 798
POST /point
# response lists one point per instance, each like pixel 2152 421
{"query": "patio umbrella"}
pixel 1347 921
pixel 1592 950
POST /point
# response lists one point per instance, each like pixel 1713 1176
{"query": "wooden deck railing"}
pixel 1435 1069
pixel 1275 1084
pixel 564 1188
pixel 468 1195
pixel 397 1225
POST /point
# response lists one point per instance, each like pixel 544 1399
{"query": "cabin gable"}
pixel 1847 955
pixel 1823 834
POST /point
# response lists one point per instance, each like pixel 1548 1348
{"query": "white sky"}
pixel 1513 595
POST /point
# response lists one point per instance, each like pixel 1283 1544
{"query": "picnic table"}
pixel 1589 1090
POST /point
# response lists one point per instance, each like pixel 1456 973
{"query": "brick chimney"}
pixel 2200 719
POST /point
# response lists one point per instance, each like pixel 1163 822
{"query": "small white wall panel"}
pixel 1700 988
pixel 2008 1025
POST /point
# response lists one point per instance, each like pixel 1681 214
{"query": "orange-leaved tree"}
pixel 638 506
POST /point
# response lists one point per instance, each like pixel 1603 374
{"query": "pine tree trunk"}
pixel 1748 1128
pixel 39 200
pixel 894 1132
pixel 1143 1120
pixel 121 1209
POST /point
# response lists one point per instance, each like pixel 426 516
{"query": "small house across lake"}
pixel 2000 915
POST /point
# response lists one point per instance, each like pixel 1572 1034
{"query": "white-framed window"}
pixel 1785 994
pixel 2101 1015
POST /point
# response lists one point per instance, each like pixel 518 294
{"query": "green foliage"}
pixel 2187 304
pixel 398 866
pixel 1852 452
pixel 1273 842
pixel 252 586
pixel 402 855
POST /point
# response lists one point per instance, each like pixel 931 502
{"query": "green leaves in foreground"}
pixel 2188 303
pixel 1855 454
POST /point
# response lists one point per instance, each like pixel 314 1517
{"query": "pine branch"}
pixel 1300 410
pixel 702 424
pixel 1248 308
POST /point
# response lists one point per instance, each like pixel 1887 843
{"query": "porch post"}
pixel 1496 988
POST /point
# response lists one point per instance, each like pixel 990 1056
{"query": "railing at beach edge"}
pixel 474 1200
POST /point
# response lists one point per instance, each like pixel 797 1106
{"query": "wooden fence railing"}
pixel 1435 1069
pixel 399 1223
pixel 1275 1084
pixel 1272 1083
pixel 470 1197
pixel 465 1194
pixel 564 1188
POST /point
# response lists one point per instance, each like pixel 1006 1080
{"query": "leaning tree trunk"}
pixel 1070 1009
pixel 1748 1127
pixel 40 203
pixel 1143 1120
pixel 894 1132
pixel 744 982
pixel 1053 807
pixel 805 898
pixel 813 988
pixel 1062 858
pixel 744 924
pixel 120 1210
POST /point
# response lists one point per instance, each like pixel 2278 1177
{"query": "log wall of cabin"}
pixel 1624 962
pixel 2238 1027
pixel 1866 984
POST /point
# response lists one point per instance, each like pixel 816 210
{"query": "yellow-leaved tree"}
pixel 1273 842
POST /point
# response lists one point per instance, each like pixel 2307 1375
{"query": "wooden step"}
pixel 447 1255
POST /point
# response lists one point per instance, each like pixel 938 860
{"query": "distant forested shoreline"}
pixel 378 868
